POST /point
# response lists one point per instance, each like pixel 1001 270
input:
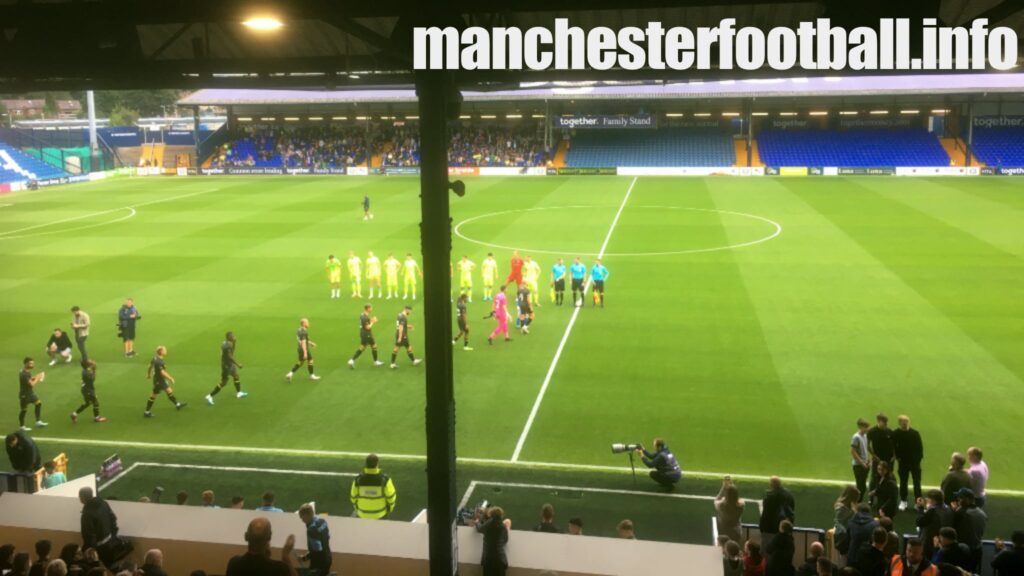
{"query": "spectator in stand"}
pixel 780 551
pixel 913 562
pixel 494 527
pixel 892 547
pixel 880 446
pixel 51 477
pixel 625 530
pixel 861 457
pixel 979 474
pixel 885 496
pixel 318 542
pixel 843 510
pixel 909 453
pixel 257 561
pixel 208 499
pixel 99 526
pixel 956 478
pixel 182 498
pixel 71 554
pixel 810 566
pixel 952 551
pixel 932 516
pixel 238 502
pixel 729 510
pixel 21 564
pixel 547 520
pixel 56 568
pixel 753 562
pixel 861 527
pixel 825 567
pixel 80 326
pixel 778 505
pixel 6 556
pixel 23 452
pixel 43 549
pixel 872 560
pixel 153 564
pixel 268 503
pixel 969 521
pixel 732 559
pixel 576 526
pixel 1010 562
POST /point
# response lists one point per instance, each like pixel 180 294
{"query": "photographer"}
pixel 666 471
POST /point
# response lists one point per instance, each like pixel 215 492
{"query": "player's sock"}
pixel 215 390
pixel 21 417
pixel 238 386
pixel 173 399
pixel 394 356
pixel 39 412
pixel 149 405
pixel 357 354
pixel 310 368
pixel 95 410
pixel 296 367
pixel 412 356
pixel 374 352
pixel 81 408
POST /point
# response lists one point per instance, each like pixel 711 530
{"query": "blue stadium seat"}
pixel 24 167
pixel 858 148
pixel 999 146
pixel 676 147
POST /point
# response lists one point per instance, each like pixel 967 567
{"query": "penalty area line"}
pixel 565 336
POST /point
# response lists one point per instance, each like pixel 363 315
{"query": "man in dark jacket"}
pixel 909 453
pixel 780 551
pixel 932 515
pixel 99 526
pixel 23 453
pixel 665 468
pixel 969 522
pixel 885 496
pixel 860 528
pixel 952 551
pixel 880 446
pixel 1010 562
pixel 810 566
pixel 778 505
pixel 872 560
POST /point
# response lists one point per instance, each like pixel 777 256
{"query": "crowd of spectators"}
pixel 327 146
pixel 471 145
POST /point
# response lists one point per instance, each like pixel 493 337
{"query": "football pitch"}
pixel 749 322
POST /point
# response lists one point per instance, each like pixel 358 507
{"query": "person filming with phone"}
pixel 665 468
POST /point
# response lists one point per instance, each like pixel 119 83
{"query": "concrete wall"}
pixel 193 538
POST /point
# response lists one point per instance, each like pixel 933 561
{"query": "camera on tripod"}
pixel 620 448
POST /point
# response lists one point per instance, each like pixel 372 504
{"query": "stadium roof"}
pixel 759 88
pixel 71 44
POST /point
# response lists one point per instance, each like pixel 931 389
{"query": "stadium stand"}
pixel 870 147
pixel 999 146
pixel 306 146
pixel 663 147
pixel 16 166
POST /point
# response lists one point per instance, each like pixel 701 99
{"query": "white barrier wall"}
pixel 193 538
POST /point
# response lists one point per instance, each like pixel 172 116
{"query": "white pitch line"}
pixel 598 490
pixel 565 336
pixel 114 480
pixel 247 469
pixel 523 464
pixel 469 494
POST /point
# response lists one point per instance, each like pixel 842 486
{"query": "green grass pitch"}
pixel 879 294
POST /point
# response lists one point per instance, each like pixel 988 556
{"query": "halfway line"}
pixel 565 336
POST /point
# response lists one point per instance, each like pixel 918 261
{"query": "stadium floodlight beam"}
pixel 941 111
pixel 910 111
pixel 758 113
pixel 878 112
pixel 263 23
pixel 787 113
pixel 702 114
pixel 819 113
pixel 848 113
pixel 673 114
pixel 730 114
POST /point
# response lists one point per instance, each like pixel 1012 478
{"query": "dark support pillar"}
pixel 750 132
pixel 195 136
pixel 435 101
pixel 970 130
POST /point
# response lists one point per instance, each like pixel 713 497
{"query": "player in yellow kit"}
pixel 489 271
pixel 355 272
pixel 391 268
pixel 466 267
pixel 373 274
pixel 531 276
pixel 410 274
pixel 333 267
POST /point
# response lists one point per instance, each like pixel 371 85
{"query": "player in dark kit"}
pixel 162 381
pixel 228 367
pixel 305 351
pixel 88 393
pixel 402 328
pixel 525 309
pixel 463 320
pixel 27 394
pixel 366 322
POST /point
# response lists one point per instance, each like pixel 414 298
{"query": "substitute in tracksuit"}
pixel 373 493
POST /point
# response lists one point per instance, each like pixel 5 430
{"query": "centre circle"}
pixel 653 224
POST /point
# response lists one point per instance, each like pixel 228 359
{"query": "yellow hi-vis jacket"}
pixel 373 494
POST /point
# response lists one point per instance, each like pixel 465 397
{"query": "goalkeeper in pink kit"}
pixel 501 315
